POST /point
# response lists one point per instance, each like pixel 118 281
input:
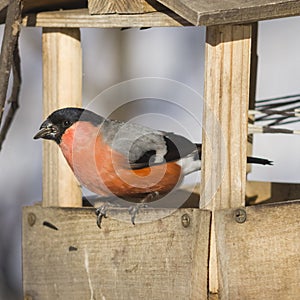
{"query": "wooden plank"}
pixel 155 259
pixel 62 85
pixel 225 120
pixel 216 12
pixel 270 192
pixel 123 6
pixel 259 259
pixel 81 18
pixel 225 116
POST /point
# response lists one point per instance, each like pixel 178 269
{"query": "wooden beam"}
pixel 81 18
pixel 203 12
pixel 259 259
pixel 74 259
pixel 123 6
pixel 225 121
pixel 270 192
pixel 62 86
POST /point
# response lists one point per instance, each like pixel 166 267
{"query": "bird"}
pixel 128 160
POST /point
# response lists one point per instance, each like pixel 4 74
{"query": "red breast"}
pixel 106 172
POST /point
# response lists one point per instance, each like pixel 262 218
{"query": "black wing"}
pixel 176 147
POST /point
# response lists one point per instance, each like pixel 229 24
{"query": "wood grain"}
pixel 225 119
pixel 62 77
pixel 216 12
pixel 152 260
pixel 259 259
pixel 81 18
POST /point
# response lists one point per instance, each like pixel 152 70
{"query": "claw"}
pixel 134 210
pixel 101 212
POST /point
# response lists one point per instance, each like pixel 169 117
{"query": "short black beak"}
pixel 45 129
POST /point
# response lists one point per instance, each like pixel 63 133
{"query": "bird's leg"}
pixel 134 209
pixel 102 210
pixel 100 213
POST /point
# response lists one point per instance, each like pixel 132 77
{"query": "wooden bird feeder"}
pixel 224 249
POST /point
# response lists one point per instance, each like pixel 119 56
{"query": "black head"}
pixel 60 120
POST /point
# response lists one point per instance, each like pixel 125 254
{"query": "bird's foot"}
pixel 134 209
pixel 101 212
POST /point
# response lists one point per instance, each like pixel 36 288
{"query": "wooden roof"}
pixel 184 12
pixel 213 12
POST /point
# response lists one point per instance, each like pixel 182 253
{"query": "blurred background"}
pixel 111 56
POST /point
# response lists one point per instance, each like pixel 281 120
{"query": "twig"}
pixel 14 98
pixel 11 34
pixel 277 98
pixel 265 129
pixel 10 60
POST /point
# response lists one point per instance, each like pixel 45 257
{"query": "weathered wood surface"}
pixel 154 260
pixel 225 121
pixel 62 86
pixel 81 18
pixel 260 259
pixel 123 6
pixel 225 118
pixel 269 192
pixel 215 12
pixel 198 12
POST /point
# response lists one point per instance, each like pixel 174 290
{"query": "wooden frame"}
pixel 226 246
pixel 62 77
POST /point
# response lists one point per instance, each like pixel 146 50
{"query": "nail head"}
pixel 240 215
pixel 31 218
pixel 185 220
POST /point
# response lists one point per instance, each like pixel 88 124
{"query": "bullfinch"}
pixel 127 160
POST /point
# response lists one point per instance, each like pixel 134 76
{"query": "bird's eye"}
pixel 67 123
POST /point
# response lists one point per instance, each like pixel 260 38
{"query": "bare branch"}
pixel 10 60
pixel 14 98
pixel 11 34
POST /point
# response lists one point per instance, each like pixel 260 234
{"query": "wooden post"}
pixel 62 86
pixel 225 117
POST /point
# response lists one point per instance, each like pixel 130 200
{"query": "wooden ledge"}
pixel 216 12
pixel 82 18
pixel 66 256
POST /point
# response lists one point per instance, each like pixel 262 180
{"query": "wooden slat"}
pixel 159 259
pixel 225 121
pixel 62 85
pixel 123 6
pixel 225 115
pixel 81 18
pixel 215 12
pixel 259 259
pixel 270 192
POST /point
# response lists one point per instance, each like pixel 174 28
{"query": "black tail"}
pixel 259 161
pixel 250 159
